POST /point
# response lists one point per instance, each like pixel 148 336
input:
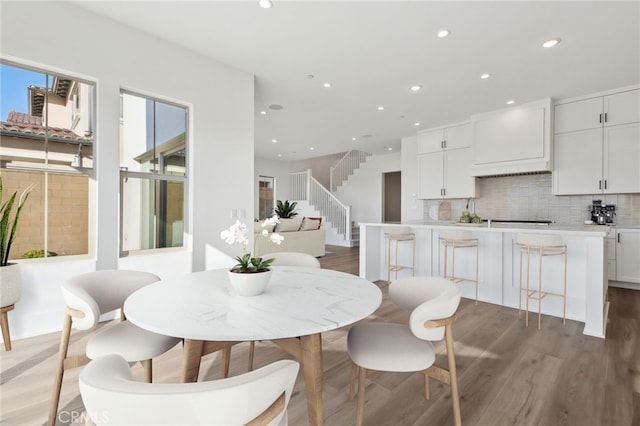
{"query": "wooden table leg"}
pixel 311 351
pixel 191 360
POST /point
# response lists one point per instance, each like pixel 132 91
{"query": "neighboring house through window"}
pixel 153 173
pixel 46 139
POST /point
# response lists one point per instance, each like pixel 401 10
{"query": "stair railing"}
pixel 306 187
pixel 345 167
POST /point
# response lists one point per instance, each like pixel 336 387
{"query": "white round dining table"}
pixel 296 307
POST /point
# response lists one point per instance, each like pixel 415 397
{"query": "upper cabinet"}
pixel 513 140
pixel 444 158
pixel 453 137
pixel 597 145
pixel 594 113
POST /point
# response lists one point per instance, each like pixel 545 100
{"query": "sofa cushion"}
pixel 289 225
pixel 309 224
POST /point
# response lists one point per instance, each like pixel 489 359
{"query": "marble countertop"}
pixel 297 302
pixel 553 228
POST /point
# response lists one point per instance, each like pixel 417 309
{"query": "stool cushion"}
pixel 398 231
pixel 388 347
pixel 455 234
pixel 129 341
pixel 538 240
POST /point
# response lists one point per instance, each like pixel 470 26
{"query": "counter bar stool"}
pixel 458 239
pixel 544 246
pixel 398 234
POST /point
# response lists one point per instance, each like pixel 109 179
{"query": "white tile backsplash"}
pixel 529 197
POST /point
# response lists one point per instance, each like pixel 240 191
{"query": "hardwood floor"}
pixel 507 374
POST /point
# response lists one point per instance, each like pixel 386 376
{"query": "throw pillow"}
pixel 289 225
pixel 309 224
pixel 257 228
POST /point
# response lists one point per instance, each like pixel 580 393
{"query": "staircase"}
pixel 304 187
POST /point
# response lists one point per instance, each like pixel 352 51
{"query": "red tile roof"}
pixel 24 125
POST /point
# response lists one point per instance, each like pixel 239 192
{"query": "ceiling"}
pixel 372 52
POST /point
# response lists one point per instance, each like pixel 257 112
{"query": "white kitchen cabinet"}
pixel 451 137
pixel 446 174
pixel 611 110
pixel 628 255
pixel 597 161
pixel 513 140
pixel 610 251
pixel 597 145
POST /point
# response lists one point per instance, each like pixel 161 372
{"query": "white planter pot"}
pixel 249 284
pixel 10 284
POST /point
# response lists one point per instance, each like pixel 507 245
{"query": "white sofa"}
pixel 302 235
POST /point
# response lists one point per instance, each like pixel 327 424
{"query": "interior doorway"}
pixel 265 197
pixel 391 197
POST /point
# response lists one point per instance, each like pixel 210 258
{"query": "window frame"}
pixel 156 176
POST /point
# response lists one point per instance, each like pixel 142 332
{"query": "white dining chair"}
pixel 285 259
pixel 90 295
pixel 260 397
pixel 433 302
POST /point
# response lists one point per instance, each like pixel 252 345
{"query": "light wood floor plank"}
pixel 507 374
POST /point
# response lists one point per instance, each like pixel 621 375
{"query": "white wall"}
pixel 412 207
pixel 363 190
pixel 320 167
pixel 115 57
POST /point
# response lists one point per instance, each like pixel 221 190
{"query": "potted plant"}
pixel 285 210
pixel 250 276
pixel 10 276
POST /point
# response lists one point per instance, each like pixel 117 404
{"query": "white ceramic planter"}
pixel 249 284
pixel 10 283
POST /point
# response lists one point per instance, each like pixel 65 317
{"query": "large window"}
pixel 46 139
pixel 153 173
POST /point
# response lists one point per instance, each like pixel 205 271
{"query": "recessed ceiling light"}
pixel 327 85
pixel 311 148
pixel 279 155
pixel 389 149
pixel 265 4
pixel 275 107
pixel 274 140
pixel 511 102
pixel 443 33
pixel 263 112
pixel 416 123
pixel 380 108
pixel 416 87
pixel 485 76
pixel 353 139
pixel 551 43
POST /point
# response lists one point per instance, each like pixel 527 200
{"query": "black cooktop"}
pixel 541 222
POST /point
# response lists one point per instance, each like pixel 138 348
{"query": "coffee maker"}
pixel 602 214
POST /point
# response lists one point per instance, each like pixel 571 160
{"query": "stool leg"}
pixel 396 269
pixel 477 266
pixel 389 261
pixel 564 294
pixel 526 315
pixel 446 252
pixel 540 289
pixel 520 286
pixel 453 261
pixel 413 257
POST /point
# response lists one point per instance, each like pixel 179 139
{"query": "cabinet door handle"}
pixel 605 184
pixel 444 191
pixel 444 143
pixel 600 184
pixel 600 118
pixel 605 117
pixel 618 237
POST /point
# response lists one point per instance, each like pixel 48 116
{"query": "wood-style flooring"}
pixel 508 374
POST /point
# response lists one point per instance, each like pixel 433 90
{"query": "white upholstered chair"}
pixel 90 295
pixel 259 397
pixel 285 259
pixel 433 302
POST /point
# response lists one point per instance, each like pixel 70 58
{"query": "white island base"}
pixel 499 262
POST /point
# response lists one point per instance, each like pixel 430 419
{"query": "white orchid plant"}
pixel 239 233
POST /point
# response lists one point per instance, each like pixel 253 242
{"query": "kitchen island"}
pixel 499 262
